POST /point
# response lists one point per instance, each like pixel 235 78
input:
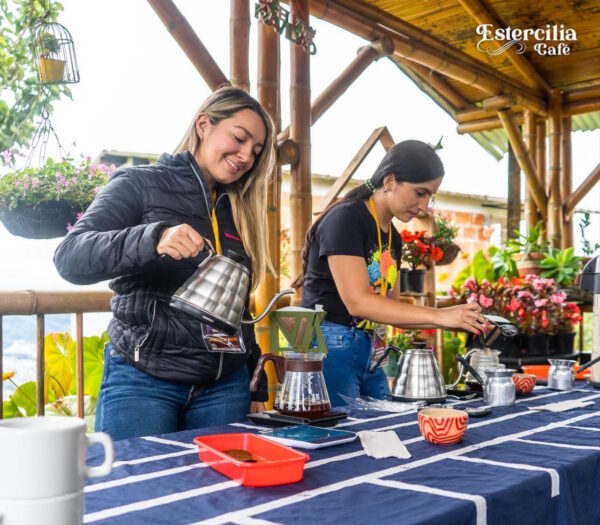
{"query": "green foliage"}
pixel 21 96
pixel 444 231
pixel 74 181
pixel 499 264
pixel 49 45
pixel 452 344
pixel 561 265
pixel 587 248
pixel 60 378
pixel 529 242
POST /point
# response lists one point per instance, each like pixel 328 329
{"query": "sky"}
pixel 138 93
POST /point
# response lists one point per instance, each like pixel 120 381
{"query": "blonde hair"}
pixel 248 194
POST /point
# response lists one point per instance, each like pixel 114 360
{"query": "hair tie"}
pixel 370 186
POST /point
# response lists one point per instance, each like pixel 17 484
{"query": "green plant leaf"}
pixel 10 409
pixel 59 373
pixel 25 397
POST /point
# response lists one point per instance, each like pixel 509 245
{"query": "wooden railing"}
pixel 30 302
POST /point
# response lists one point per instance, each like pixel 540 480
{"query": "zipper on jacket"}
pixel 136 353
pixel 220 371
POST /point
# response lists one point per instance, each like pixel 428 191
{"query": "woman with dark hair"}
pixel 350 262
pixel 161 372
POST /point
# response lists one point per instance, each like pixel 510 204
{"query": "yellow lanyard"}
pixel 215 223
pixel 384 282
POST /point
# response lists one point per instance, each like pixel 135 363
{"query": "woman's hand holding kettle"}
pixel 466 317
pixel 181 242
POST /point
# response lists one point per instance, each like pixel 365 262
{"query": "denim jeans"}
pixel 346 367
pixel 132 403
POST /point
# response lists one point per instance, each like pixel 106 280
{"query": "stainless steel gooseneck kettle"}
pixel 216 293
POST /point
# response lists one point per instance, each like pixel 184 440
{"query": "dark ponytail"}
pixel 409 161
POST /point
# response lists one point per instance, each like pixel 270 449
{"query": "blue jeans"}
pixel 346 367
pixel 132 403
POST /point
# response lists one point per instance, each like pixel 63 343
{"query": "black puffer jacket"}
pixel 116 239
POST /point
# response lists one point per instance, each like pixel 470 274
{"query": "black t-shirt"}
pixel 348 229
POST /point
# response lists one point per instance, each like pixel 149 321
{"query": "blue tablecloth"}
pixel 517 466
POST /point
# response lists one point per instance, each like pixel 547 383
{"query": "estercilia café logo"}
pixel 550 40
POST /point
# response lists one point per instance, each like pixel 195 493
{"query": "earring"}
pixel 199 138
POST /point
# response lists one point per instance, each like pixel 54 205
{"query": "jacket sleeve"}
pixel 109 240
pixel 262 392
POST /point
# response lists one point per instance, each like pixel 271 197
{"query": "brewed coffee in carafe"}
pixel 302 392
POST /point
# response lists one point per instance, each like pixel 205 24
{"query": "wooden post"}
pixel 239 31
pixel 513 210
pixel 554 193
pixel 530 136
pixel 566 181
pixel 582 190
pixel 79 363
pixel 366 56
pixel 269 96
pixel 514 137
pixel 41 366
pixel 187 39
pixel 300 191
pixel 540 151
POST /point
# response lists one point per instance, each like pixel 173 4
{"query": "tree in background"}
pixel 22 97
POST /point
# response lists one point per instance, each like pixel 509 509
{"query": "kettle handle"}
pixel 278 362
pixel 383 355
pixel 461 359
pixel 167 257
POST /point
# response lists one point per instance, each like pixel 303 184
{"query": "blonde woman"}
pixel 161 374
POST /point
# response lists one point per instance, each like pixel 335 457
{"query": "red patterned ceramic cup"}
pixel 524 382
pixel 443 426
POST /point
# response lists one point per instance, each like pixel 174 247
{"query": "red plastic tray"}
pixel 275 464
pixel 541 371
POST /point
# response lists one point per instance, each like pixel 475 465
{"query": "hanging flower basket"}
pixel 450 253
pixel 44 220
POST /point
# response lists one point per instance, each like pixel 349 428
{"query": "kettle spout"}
pixel 268 308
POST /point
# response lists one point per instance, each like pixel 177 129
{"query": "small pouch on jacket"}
pixel 217 341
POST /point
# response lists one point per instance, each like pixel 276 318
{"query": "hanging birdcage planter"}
pixel 54 52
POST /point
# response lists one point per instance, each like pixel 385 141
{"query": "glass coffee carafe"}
pixel 301 390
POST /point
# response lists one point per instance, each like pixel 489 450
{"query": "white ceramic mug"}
pixel 44 457
pixel 59 510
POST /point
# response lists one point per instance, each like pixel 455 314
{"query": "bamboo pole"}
pixel 510 101
pixel 582 106
pixel 581 94
pixel 79 363
pixel 566 181
pixel 514 137
pixel 554 193
pixel 513 209
pixel 531 211
pixel 417 46
pixel 239 36
pixel 530 75
pixel 269 96
pixel 184 35
pixel 583 189
pixel 472 113
pixel 365 57
pixel 486 124
pixel 351 13
pixel 300 174
pixel 287 152
pixel 380 134
pixel 31 302
pixel 438 83
pixel 541 152
pixel 41 366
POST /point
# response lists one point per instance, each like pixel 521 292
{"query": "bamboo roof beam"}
pixel 485 124
pixel 184 35
pixel 365 57
pixel 581 94
pixel 581 106
pixel 514 137
pixel 380 134
pixel 417 46
pixel 239 37
pixel 438 83
pixel 512 100
pixel 554 194
pixel 531 76
pixel 590 181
